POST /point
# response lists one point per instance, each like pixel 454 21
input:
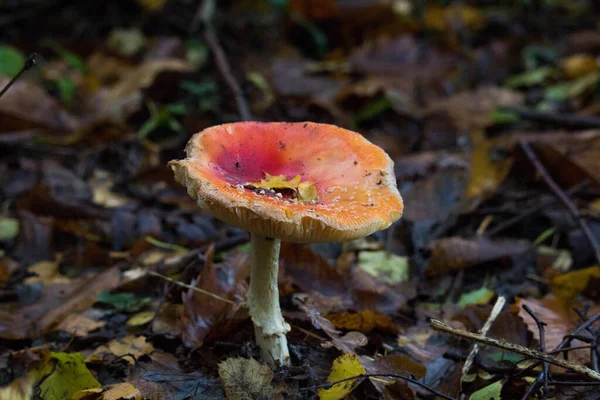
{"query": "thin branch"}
pixel 29 63
pixel 185 285
pixel 554 119
pixel 564 199
pixel 363 376
pixel 514 348
pixel 540 325
pixel 484 330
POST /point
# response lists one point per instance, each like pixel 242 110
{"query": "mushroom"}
pixel 302 182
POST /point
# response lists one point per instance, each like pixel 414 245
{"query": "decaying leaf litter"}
pixel 114 284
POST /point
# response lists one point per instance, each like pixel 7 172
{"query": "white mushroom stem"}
pixel 263 301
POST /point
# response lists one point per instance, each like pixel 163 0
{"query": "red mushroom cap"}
pixel 356 191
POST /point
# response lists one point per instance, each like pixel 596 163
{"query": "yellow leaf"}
pixel 19 389
pixel 136 346
pixel 277 182
pixel 88 394
pixel 579 65
pixel 141 318
pixel 124 390
pixel 345 366
pixel 307 192
pixel 486 173
pixel 572 284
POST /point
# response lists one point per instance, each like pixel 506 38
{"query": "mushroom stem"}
pixel 263 301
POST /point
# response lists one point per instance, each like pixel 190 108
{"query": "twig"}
pixel 363 376
pixel 185 285
pixel 29 63
pixel 204 14
pixel 484 330
pixel 564 120
pixel 514 348
pixel 564 199
pixel 540 325
pixel 225 69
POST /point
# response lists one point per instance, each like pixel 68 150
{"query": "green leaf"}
pixel 530 78
pixel 384 266
pixel 196 53
pixel 70 375
pixel 504 117
pixel 490 392
pixel 575 88
pixel 9 228
pixel 127 302
pixel 11 61
pixel 505 356
pixel 479 296
pixel 373 109
pixel 66 89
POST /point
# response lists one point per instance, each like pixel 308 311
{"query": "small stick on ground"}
pixel 564 199
pixel 484 330
pixel 571 121
pixel 540 325
pixel 513 348
pixel 29 63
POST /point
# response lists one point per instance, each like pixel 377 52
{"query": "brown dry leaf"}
pixel 289 77
pixel 130 344
pixel 570 285
pixel 560 318
pixel 28 106
pixel 56 303
pixel 454 253
pixel 346 343
pixel 364 321
pixel 472 110
pixel 246 379
pixel 398 364
pixel 79 325
pixel 168 320
pixel 203 313
pixel 122 391
pixel 117 102
pixel 8 266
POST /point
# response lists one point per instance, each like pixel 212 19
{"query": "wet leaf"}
pixel 364 321
pixel 453 253
pixel 246 379
pixel 69 376
pixel 384 266
pixel 345 366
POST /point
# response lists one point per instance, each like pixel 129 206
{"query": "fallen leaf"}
pixel 345 366
pixel 454 253
pixel 9 228
pixel 141 318
pixel 479 296
pixel 578 65
pixel 70 375
pixel 203 313
pixel 168 320
pixel 12 61
pixel 128 302
pixel 46 272
pixel 570 285
pixel 19 389
pixel 364 321
pixel 347 343
pixel 246 379
pixel 162 378
pixel 79 325
pixel 28 106
pixel 490 392
pixel 89 394
pixel 128 345
pixel 56 303
pixel 122 391
pixel 384 266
